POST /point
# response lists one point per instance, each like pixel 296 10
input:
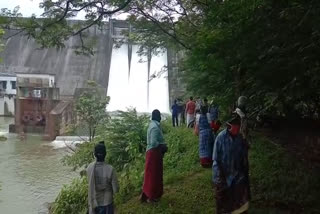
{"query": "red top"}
pixel 190 107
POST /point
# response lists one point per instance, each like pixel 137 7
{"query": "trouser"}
pixel 104 209
pixel 180 119
pixel 175 120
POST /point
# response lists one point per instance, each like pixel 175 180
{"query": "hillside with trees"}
pixel 267 50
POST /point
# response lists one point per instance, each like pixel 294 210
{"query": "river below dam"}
pixel 31 172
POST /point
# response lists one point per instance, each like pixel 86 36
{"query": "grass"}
pixel 280 183
pixel 181 160
pixel 190 195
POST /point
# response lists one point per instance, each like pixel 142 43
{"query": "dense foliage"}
pixel 81 157
pixel 279 182
pixel 125 139
pixel 72 198
pixel 181 159
pixel 130 129
pixel 281 179
pixel 267 50
pixel 91 108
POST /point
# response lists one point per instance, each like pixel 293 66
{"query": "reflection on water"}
pixel 31 173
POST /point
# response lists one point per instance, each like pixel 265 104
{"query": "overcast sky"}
pixel 29 7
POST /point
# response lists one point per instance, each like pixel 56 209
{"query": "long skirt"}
pixel 234 199
pixel 153 174
pixel 190 120
pixel 206 141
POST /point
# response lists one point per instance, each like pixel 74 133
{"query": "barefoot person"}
pixel 103 183
pixel 230 170
pixel 153 172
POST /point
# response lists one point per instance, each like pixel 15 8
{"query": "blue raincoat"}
pixel 230 172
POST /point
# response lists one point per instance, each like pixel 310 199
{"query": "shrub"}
pixel 125 137
pixel 72 198
pixel 81 157
pixel 181 158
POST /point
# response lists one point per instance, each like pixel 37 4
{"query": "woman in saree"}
pixel 206 139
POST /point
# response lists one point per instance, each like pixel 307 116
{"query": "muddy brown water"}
pixel 31 173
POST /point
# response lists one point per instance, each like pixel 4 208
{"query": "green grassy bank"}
pixel 279 182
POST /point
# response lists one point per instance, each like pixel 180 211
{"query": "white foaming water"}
pixel 68 141
pixel 131 91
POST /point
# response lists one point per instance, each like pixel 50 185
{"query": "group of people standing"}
pixel 203 117
pixel 226 153
pixel 102 179
pixel 187 112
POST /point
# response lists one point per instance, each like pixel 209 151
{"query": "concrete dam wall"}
pixel 116 69
pixel 23 55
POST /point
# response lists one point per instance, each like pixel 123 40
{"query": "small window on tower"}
pixel 3 85
pixel 13 84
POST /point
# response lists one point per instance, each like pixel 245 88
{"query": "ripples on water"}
pixel 31 173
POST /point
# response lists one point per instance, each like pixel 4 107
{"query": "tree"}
pixel 125 137
pixel 53 29
pixel 91 108
pixel 267 50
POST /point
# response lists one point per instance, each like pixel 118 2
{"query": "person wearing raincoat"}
pixel 231 170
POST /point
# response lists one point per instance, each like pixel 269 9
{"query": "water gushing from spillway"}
pixel 129 88
pixel 117 69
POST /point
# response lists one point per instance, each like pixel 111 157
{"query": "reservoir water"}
pixel 31 172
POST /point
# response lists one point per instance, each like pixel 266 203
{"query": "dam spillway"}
pixel 117 69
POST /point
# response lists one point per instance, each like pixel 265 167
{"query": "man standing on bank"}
pixel 175 113
pixel 153 172
pixel 103 183
pixel 190 111
pixel 230 170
